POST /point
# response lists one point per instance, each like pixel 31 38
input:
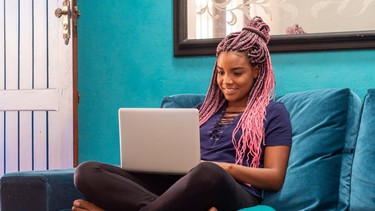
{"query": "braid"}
pixel 253 40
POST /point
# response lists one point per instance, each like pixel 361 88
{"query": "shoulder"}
pixel 276 109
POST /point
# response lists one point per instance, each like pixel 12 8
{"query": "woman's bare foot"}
pixel 82 205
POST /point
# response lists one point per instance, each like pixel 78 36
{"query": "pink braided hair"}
pixel 253 40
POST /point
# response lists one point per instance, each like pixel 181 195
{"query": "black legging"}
pixel 207 185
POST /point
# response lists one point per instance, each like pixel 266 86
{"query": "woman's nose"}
pixel 227 80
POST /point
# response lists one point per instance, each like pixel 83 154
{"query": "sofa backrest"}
pixel 182 100
pixel 362 195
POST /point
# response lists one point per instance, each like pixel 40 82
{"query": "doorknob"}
pixel 59 12
pixel 65 14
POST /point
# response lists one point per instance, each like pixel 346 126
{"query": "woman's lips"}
pixel 230 90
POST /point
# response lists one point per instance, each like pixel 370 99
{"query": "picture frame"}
pixel 278 43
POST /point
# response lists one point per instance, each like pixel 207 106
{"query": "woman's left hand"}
pixel 270 177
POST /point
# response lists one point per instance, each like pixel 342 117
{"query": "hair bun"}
pixel 259 27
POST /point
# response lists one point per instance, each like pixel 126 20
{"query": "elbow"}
pixel 276 187
pixel 276 184
pixel 277 181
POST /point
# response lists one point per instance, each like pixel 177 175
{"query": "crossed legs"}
pixel 205 186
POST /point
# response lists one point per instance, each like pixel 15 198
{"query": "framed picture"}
pixel 296 25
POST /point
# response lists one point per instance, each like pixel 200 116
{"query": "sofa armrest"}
pixel 38 190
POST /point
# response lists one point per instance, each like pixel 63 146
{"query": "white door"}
pixel 36 87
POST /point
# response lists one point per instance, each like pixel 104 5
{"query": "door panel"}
pixel 36 88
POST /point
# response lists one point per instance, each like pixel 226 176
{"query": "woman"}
pixel 245 142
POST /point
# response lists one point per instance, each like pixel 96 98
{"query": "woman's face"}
pixel 235 77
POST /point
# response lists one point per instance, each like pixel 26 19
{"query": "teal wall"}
pixel 126 60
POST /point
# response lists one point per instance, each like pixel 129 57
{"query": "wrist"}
pixel 229 167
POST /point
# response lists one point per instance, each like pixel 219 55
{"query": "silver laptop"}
pixel 159 140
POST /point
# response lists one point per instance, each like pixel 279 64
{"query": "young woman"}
pixel 245 142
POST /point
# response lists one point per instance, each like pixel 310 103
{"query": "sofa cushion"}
pixel 182 100
pixel 38 190
pixel 258 208
pixel 363 177
pixel 324 127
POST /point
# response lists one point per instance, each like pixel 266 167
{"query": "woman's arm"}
pixel 271 177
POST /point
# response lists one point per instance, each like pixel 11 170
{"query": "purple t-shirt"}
pixel 216 143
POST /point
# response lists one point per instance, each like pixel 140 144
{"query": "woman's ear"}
pixel 256 71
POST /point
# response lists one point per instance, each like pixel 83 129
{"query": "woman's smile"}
pixel 230 90
pixel 235 77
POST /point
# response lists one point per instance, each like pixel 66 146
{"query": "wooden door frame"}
pixel 75 16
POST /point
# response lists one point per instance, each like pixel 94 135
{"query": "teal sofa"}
pixel 331 165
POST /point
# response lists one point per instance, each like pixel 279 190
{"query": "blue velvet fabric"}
pixel 324 125
pixel 363 173
pixel 182 100
pixel 258 208
pixel 38 190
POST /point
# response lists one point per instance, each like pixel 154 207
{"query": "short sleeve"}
pixel 278 129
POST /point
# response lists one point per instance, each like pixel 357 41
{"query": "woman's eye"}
pixel 220 72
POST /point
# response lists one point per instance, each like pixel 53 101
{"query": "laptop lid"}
pixel 159 140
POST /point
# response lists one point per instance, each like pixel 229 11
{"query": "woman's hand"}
pixel 270 177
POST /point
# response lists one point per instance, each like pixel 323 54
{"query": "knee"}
pixel 208 168
pixel 209 174
pixel 82 172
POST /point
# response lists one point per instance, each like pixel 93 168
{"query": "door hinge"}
pixel 78 97
pixel 76 15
